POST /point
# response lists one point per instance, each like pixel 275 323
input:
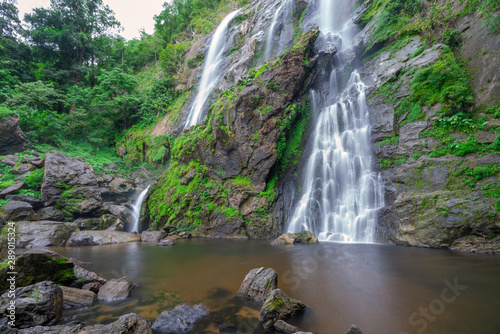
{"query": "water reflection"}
pixel 377 287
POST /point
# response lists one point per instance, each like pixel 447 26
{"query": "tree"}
pixel 68 37
pixel 9 18
pixel 116 95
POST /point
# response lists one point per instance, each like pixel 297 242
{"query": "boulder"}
pixel 181 319
pixel 37 304
pixel 13 139
pixel 354 330
pixel 168 241
pixel 95 238
pixel 85 276
pixel 12 190
pixel 278 306
pixel 119 190
pixel 73 297
pixel 39 265
pixel 285 327
pixel 37 162
pixel 94 287
pixel 117 226
pixel 10 160
pixel 16 211
pixel 43 233
pixel 126 324
pixel 116 289
pixel 50 213
pixel 71 182
pixel 152 236
pixel 258 284
pixel 304 237
pixel 35 202
pixel 121 212
pixel 102 223
pixel 284 239
pixel 23 168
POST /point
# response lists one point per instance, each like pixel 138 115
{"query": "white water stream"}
pixel 341 192
pixel 136 213
pixel 210 75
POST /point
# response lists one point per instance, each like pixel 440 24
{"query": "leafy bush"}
pixel 452 37
pixel 35 178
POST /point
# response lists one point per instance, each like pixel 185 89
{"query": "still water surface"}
pixel 377 287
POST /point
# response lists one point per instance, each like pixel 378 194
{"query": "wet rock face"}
pixel 73 297
pixel 17 210
pixel 258 284
pixel 428 202
pixel 181 319
pixel 38 304
pixel 13 139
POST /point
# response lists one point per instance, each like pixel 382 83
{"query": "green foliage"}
pixel 389 141
pixel 35 178
pixel 172 57
pixel 445 81
pixel 386 163
pixel 395 15
pixel 7 180
pixel 36 95
pixel 6 112
pixel 31 192
pixel 452 37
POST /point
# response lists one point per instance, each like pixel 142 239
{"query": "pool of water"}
pixel 383 289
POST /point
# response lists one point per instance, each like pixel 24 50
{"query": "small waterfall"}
pixel 280 16
pixel 210 75
pixel 136 214
pixel 341 193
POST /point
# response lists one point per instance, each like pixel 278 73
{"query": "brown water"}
pixel 377 287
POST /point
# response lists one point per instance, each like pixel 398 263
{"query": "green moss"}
pixel 35 178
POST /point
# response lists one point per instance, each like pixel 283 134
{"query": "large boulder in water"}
pixel 13 139
pixel 126 324
pixel 304 237
pixel 354 330
pixel 95 238
pixel 43 233
pixel 38 304
pixel 258 284
pixel 278 306
pixel 73 297
pixel 116 289
pixel 181 319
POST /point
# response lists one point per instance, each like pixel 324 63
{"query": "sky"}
pixel 132 14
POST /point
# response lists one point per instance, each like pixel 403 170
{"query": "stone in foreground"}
pixel 152 236
pixel 116 289
pixel 96 238
pixel 258 284
pixel 181 319
pixel 37 304
pixel 73 297
pixel 278 306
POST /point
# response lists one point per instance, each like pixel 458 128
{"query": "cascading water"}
pixel 281 14
pixel 341 193
pixel 210 75
pixel 136 213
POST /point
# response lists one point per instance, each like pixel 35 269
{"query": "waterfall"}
pixel 210 75
pixel 136 213
pixel 280 15
pixel 341 192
